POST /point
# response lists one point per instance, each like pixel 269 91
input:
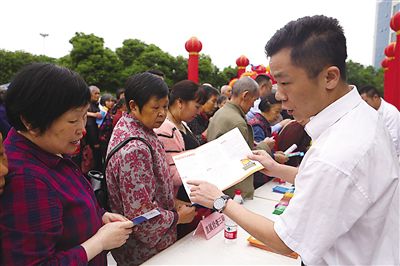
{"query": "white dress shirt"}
pixel 391 118
pixel 345 210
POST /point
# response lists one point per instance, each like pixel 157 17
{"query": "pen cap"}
pixel 290 149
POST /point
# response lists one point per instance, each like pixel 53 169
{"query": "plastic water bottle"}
pixel 230 232
pixel 238 197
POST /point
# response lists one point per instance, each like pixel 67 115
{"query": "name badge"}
pixel 210 226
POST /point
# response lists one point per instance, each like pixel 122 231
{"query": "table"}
pixel 197 250
pixel 265 191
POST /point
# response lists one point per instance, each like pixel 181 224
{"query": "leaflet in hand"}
pixel 222 162
pixel 145 217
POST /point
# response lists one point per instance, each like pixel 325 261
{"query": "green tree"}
pixel 208 72
pixel 179 69
pixel 139 57
pixel 12 62
pixel 130 50
pixel 226 75
pixel 96 64
pixel 359 75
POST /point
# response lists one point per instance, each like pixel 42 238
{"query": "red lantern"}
pixel 193 46
pixel 395 25
pixel 389 89
pixel 385 66
pixel 242 62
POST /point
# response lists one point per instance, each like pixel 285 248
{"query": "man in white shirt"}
pixel 389 113
pixel 345 210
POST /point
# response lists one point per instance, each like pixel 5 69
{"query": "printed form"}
pixel 222 162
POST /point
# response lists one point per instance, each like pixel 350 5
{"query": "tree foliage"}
pixel 360 76
pixel 11 62
pixel 109 70
pixel 98 65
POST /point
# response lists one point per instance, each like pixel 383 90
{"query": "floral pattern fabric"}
pixel 138 181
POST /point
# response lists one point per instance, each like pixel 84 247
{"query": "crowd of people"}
pixel 60 128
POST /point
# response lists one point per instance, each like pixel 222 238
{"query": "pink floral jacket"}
pixel 138 181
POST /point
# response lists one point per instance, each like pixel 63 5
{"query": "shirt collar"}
pixel 234 106
pixel 135 123
pixel 22 143
pixel 262 118
pixel 333 113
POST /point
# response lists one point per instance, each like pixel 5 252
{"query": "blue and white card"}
pixel 145 217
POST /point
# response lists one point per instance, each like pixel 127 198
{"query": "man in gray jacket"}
pixel 233 114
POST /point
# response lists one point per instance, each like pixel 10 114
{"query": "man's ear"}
pixel 332 77
pixel 245 94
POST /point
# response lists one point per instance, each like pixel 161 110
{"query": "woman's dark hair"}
pixel 221 99
pixel 141 87
pixel 117 106
pixel 266 102
pixel 186 90
pixel 105 97
pixel 119 92
pixel 41 93
pixel 209 91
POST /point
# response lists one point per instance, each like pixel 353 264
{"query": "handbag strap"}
pixel 122 144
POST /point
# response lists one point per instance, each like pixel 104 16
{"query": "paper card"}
pixel 259 244
pixel 211 225
pixel 145 217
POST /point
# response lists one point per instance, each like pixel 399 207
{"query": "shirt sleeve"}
pixel 325 205
pixel 393 125
pixel 276 128
pixel 259 134
pixel 31 226
pixel 136 182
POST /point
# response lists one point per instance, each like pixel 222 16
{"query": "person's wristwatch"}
pixel 220 203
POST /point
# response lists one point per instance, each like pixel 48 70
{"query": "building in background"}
pixel 385 9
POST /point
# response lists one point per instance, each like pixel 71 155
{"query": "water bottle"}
pixel 238 197
pixel 230 232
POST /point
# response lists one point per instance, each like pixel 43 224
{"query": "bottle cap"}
pixel 238 192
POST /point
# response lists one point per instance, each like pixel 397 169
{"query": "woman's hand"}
pixel 186 214
pixel 114 235
pixel 280 157
pixel 109 217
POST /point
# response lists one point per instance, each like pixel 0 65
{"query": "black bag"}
pixel 98 179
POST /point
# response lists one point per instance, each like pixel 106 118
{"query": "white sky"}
pixel 227 28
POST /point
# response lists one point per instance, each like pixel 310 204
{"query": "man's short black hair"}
pixel 156 72
pixel 370 91
pixel 141 87
pixel 41 93
pixel 316 42
pixel 262 78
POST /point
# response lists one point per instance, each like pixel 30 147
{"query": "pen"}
pixel 299 153
pixel 290 149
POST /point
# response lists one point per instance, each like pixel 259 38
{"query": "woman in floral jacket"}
pixel 138 176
